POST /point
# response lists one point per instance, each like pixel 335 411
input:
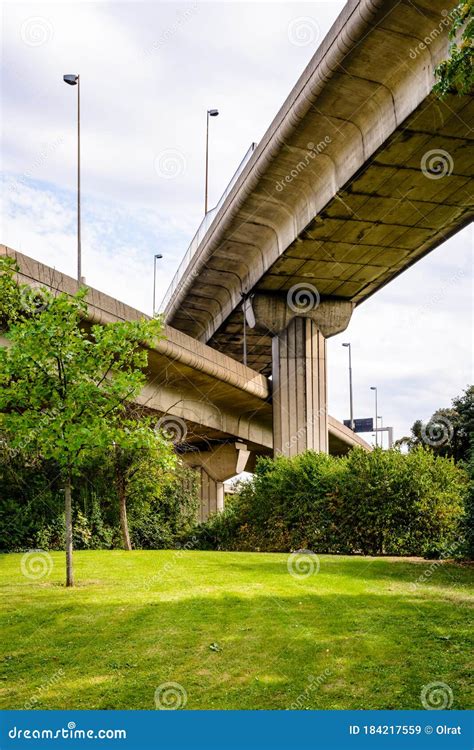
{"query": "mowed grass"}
pixel 359 634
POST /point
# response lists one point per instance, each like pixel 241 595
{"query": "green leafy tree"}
pixel 64 385
pixel 469 520
pixel 464 407
pixel 448 432
pixel 163 506
pixel 456 74
pixel 139 451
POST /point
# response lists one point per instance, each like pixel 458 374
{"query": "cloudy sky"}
pixel 149 72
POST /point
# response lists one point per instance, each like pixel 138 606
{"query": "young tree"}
pixel 138 449
pixel 65 384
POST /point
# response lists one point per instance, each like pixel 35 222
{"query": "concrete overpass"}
pixel 218 412
pixel 362 172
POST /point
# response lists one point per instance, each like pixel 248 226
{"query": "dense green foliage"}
pixel 162 503
pixel 381 502
pixel 469 518
pixel 456 74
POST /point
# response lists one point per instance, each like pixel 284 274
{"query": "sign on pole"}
pixel 361 425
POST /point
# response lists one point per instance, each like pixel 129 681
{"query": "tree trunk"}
pixel 123 516
pixel 68 514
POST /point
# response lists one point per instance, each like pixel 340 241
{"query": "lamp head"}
pixel 373 388
pixel 158 256
pixel 213 112
pixel 71 79
pixel 346 344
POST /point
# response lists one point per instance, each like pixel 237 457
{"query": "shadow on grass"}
pixel 404 569
pixel 372 651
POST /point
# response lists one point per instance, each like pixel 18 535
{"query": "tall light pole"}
pixel 72 79
pixel 374 388
pixel 210 113
pixel 156 257
pixel 350 388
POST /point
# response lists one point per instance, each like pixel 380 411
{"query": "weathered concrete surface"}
pixel 273 314
pixel 210 400
pixel 300 417
pixel 362 172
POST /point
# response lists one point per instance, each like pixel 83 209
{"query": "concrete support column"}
pixel 220 497
pixel 216 464
pixel 208 496
pixel 300 417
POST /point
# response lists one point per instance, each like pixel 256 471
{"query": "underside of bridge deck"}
pixel 397 208
pixel 363 171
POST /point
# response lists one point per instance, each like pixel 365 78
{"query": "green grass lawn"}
pixel 358 634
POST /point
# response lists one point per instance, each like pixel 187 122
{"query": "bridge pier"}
pixel 215 465
pixel 212 495
pixel 300 415
pixel 299 375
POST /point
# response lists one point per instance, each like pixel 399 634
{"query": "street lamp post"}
pixel 381 428
pixel 210 113
pixel 72 79
pixel 350 388
pixel 156 257
pixel 374 388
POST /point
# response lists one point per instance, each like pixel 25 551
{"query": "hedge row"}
pixel 383 502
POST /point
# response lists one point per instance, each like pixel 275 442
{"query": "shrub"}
pixel 222 530
pixel 469 519
pixel 381 502
pixel 165 517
